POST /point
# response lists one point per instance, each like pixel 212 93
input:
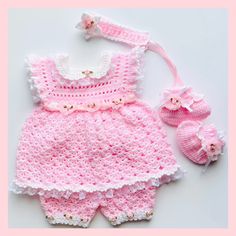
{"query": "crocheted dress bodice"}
pixel 59 87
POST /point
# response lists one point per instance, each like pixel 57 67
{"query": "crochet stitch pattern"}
pixel 200 143
pixel 180 104
pixel 92 143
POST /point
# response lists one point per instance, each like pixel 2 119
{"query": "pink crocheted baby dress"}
pixel 91 143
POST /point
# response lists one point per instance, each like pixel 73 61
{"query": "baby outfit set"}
pixel 93 144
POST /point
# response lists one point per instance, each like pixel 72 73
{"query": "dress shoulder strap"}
pixel 99 26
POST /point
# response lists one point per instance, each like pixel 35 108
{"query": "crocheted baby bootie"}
pixel 200 143
pixel 181 103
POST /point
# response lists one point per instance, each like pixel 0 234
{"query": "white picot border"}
pixel 31 62
pixel 73 221
pixel 135 216
pixel 103 191
pixel 75 73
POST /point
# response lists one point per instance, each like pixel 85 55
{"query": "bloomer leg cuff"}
pixel 68 220
pixel 70 211
pixel 135 216
pixel 129 206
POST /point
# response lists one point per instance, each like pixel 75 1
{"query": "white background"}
pixel 196 40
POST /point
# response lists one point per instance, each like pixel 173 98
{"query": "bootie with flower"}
pixel 199 142
pixel 181 107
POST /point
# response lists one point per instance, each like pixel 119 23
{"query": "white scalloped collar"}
pixel 75 73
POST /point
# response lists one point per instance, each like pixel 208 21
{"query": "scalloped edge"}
pixel 80 192
pixel 29 61
pixel 74 74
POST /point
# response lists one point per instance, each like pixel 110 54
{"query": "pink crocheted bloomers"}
pixel 92 143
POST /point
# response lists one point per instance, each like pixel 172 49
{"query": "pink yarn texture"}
pixel 122 207
pixel 180 103
pixel 200 143
pixel 92 144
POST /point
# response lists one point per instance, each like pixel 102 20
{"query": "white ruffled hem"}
pixel 138 56
pixel 107 190
pixel 30 61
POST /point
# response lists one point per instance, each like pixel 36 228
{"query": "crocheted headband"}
pixel 179 102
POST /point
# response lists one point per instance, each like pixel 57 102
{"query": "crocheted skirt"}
pixel 70 155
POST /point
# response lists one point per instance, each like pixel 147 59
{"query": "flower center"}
pixel 212 147
pixel 117 102
pixel 87 73
pixel 175 101
pixel 92 105
pixel 89 24
pixel 68 107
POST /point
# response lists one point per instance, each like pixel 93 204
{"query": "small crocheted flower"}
pixel 89 25
pixel 92 106
pixel 67 108
pixel 211 142
pixel 214 148
pixel 87 73
pixel 177 97
pixel 117 103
